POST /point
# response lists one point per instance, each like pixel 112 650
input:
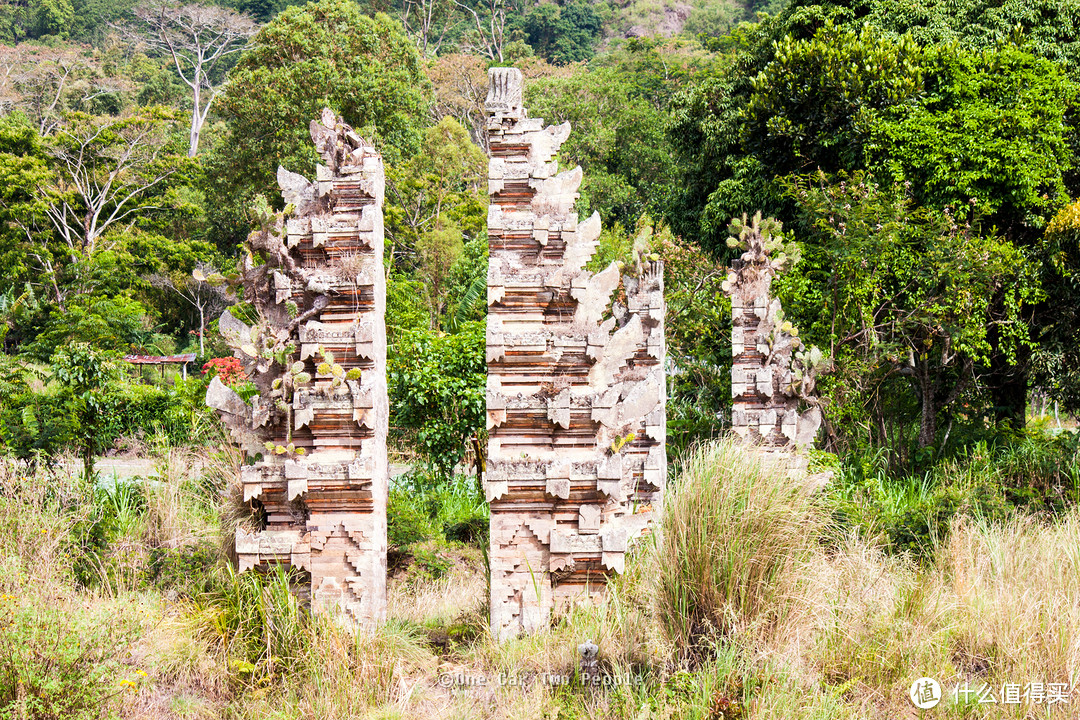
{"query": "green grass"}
pixel 732 526
pixel 421 507
pixel 989 480
pixel 756 599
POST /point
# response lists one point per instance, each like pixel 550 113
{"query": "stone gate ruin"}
pixel 318 357
pixel 772 372
pixel 576 458
pixel 576 461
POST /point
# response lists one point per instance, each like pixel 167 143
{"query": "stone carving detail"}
pixel 575 398
pixel 772 372
pixel 318 358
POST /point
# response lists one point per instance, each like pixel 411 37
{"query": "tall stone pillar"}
pixel 575 399
pixel 772 373
pixel 318 358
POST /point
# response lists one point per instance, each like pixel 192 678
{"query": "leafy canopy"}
pixel 324 54
pixel 437 392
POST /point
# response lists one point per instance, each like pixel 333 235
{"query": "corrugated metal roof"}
pixel 159 359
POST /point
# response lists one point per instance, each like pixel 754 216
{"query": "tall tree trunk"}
pixel 928 420
pixel 196 124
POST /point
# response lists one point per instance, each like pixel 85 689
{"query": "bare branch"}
pixel 107 168
pixel 489 38
pixel 46 81
pixel 196 37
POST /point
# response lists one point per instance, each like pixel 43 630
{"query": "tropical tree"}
pixel 425 190
pixel 205 289
pixel 1056 362
pixel 618 139
pixel 24 224
pixel 324 54
pixel 904 297
pixel 84 372
pixel 982 131
pixel 561 32
pixel 35 18
pixel 488 33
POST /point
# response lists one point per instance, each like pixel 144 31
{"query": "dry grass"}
pixel 843 626
pixel 1017 598
pixel 461 593
pixel 39 508
pixel 770 611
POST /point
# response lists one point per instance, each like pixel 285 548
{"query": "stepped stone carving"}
pixel 772 372
pixel 575 398
pixel 318 358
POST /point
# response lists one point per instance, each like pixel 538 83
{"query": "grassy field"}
pixel 759 600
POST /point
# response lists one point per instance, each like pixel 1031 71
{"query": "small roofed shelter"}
pixel 162 360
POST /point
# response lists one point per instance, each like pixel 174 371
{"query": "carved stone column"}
pixel 770 376
pixel 318 357
pixel 576 460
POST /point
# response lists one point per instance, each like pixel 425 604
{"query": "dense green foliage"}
pixel 923 158
pixel 618 139
pixel 84 401
pixel 437 388
pixel 326 54
pixel 964 128
pixel 909 298
pixel 561 32
pixel 1057 359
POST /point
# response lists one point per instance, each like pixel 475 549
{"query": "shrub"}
pixel 55 664
pixel 733 524
pixel 437 393
pixel 87 403
pixel 179 411
pixel 923 526
pixel 423 506
pixel 430 563
pixel 407 520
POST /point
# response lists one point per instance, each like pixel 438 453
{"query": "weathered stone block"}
pixel 322 484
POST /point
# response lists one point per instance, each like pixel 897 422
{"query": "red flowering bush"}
pixel 227 368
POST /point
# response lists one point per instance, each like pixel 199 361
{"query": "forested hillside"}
pixel 924 159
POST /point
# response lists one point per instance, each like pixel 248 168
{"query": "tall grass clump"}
pixel 258 622
pixel 734 523
pixel 1017 590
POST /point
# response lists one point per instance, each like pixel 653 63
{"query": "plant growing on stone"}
pixel 766 254
pixel 762 241
pixel 281 393
pixel 267 349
